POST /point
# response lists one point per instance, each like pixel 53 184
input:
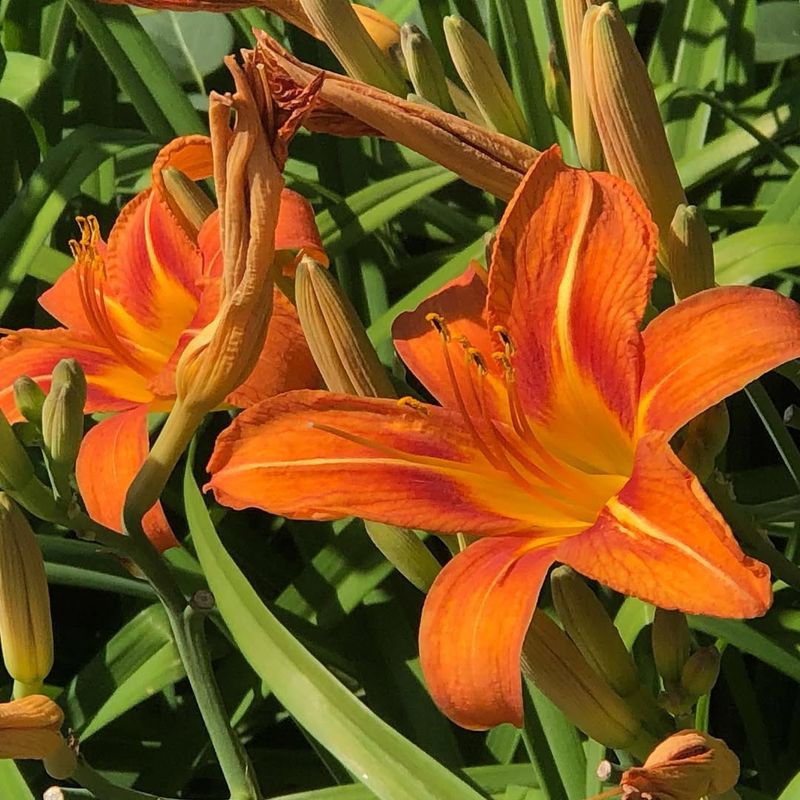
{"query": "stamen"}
pixel 505 339
pixel 91 274
pixel 437 320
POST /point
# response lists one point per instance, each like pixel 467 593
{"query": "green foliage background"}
pixel 88 93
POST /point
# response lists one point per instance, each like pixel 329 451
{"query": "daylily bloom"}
pixel 552 438
pixel 129 307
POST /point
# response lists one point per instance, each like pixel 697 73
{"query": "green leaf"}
pixel 140 69
pixel 31 83
pixel 389 765
pixel 138 661
pixel 346 223
pixel 777 31
pixel 12 784
pixel 750 254
pixel 30 219
pixel 193 45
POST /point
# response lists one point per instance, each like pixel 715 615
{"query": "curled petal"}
pixel 318 455
pixel 708 347
pixel 570 276
pixel 110 456
pixel 473 624
pixel 111 386
pixel 662 540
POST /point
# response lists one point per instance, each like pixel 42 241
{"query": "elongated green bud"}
pixel 187 200
pixel 700 672
pixel 590 627
pixel 626 114
pixel 336 336
pixel 62 421
pixel 340 27
pixel 587 141
pixel 690 253
pixel 481 73
pixel 18 479
pixel 29 399
pixel 425 67
pixel 556 89
pixel 26 630
pixel 349 364
pixel 670 638
pixel 705 438
pixel 557 667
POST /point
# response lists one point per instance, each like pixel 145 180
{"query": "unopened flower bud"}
pixel 336 337
pixel 187 200
pixel 557 667
pixel 670 639
pixel 481 73
pixel 62 420
pixel 17 476
pixel 690 253
pixel 349 364
pixel 590 627
pixel 700 672
pixel 687 766
pixel 587 140
pixel 29 398
pixel 704 439
pixel 29 727
pixel 345 33
pixel 626 114
pixel 425 67
pixel 26 629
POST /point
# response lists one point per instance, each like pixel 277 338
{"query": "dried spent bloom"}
pixel 687 766
pixel 347 107
pixel 29 727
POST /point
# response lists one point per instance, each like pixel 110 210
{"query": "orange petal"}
pixel 708 347
pixel 110 456
pixel 297 228
pixel 152 275
pixel 473 624
pixel 461 304
pixel 569 280
pixel 111 386
pixel 408 467
pixel 662 540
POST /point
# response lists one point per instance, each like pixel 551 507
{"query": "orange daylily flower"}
pixel 552 439
pixel 129 307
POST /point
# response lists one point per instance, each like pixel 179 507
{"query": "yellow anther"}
pixel 415 405
pixel 476 359
pixel 505 338
pixel 437 320
pixel 503 360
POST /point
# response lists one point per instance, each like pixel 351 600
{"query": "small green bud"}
pixel 29 399
pixel 478 67
pixel 425 67
pixel 556 89
pixel 670 637
pixel 700 672
pixel 62 420
pixel 690 253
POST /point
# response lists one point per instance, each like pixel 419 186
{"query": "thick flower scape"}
pixel 551 442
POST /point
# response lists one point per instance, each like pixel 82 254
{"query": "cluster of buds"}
pixel 586 670
pixel 686 675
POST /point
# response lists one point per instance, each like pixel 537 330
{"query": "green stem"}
pixel 98 786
